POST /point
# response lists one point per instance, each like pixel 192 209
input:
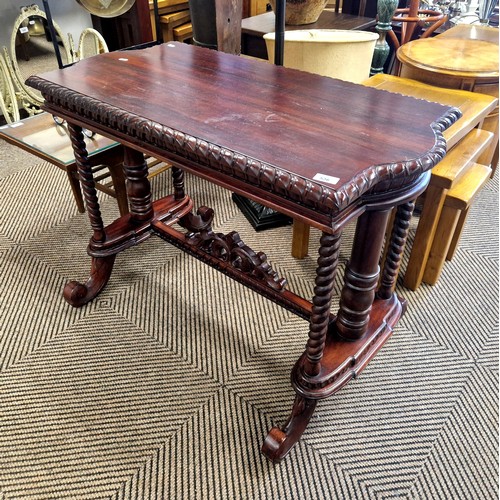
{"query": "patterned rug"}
pixel 165 386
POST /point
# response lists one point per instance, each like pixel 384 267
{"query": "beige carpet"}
pixel 165 386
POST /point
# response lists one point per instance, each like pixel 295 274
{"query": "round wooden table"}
pixel 464 57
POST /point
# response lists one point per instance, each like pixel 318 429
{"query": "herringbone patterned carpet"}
pixel 165 386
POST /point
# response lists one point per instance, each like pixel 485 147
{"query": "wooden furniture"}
pixel 167 8
pixel 455 208
pixel 175 20
pixel 183 33
pixel 464 57
pixel 416 23
pixel 466 144
pixel 454 181
pixel 129 29
pixel 413 23
pixel 254 28
pixel 254 128
pixel 42 137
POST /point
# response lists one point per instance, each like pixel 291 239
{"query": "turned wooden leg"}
pixel 78 294
pixel 361 275
pixel 279 441
pixel 325 276
pixel 138 186
pixel 388 233
pixel 395 248
pixel 87 181
pixel 178 181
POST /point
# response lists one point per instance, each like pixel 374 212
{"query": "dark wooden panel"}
pixel 131 28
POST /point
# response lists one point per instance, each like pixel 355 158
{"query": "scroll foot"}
pixel 280 441
pixel 77 294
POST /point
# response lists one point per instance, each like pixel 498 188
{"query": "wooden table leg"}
pixel 394 248
pixel 300 239
pixel 362 274
pixel 279 441
pixel 138 186
pixel 77 293
pixel 429 218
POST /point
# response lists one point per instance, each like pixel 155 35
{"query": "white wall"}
pixel 68 14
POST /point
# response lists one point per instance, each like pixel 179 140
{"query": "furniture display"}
pixel 464 57
pixel 455 181
pixel 254 128
pixel 254 28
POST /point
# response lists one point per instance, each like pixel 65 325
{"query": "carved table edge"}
pixel 260 174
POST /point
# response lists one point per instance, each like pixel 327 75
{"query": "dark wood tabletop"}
pixel 289 121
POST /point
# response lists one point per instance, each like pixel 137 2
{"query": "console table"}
pixel 275 135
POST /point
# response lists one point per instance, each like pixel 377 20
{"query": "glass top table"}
pixel 42 136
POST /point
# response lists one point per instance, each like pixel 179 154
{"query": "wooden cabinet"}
pixel 131 28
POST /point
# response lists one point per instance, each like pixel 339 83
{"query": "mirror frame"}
pixel 125 7
pixel 9 105
pixel 28 93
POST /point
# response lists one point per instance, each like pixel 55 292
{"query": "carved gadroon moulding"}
pixel 262 175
